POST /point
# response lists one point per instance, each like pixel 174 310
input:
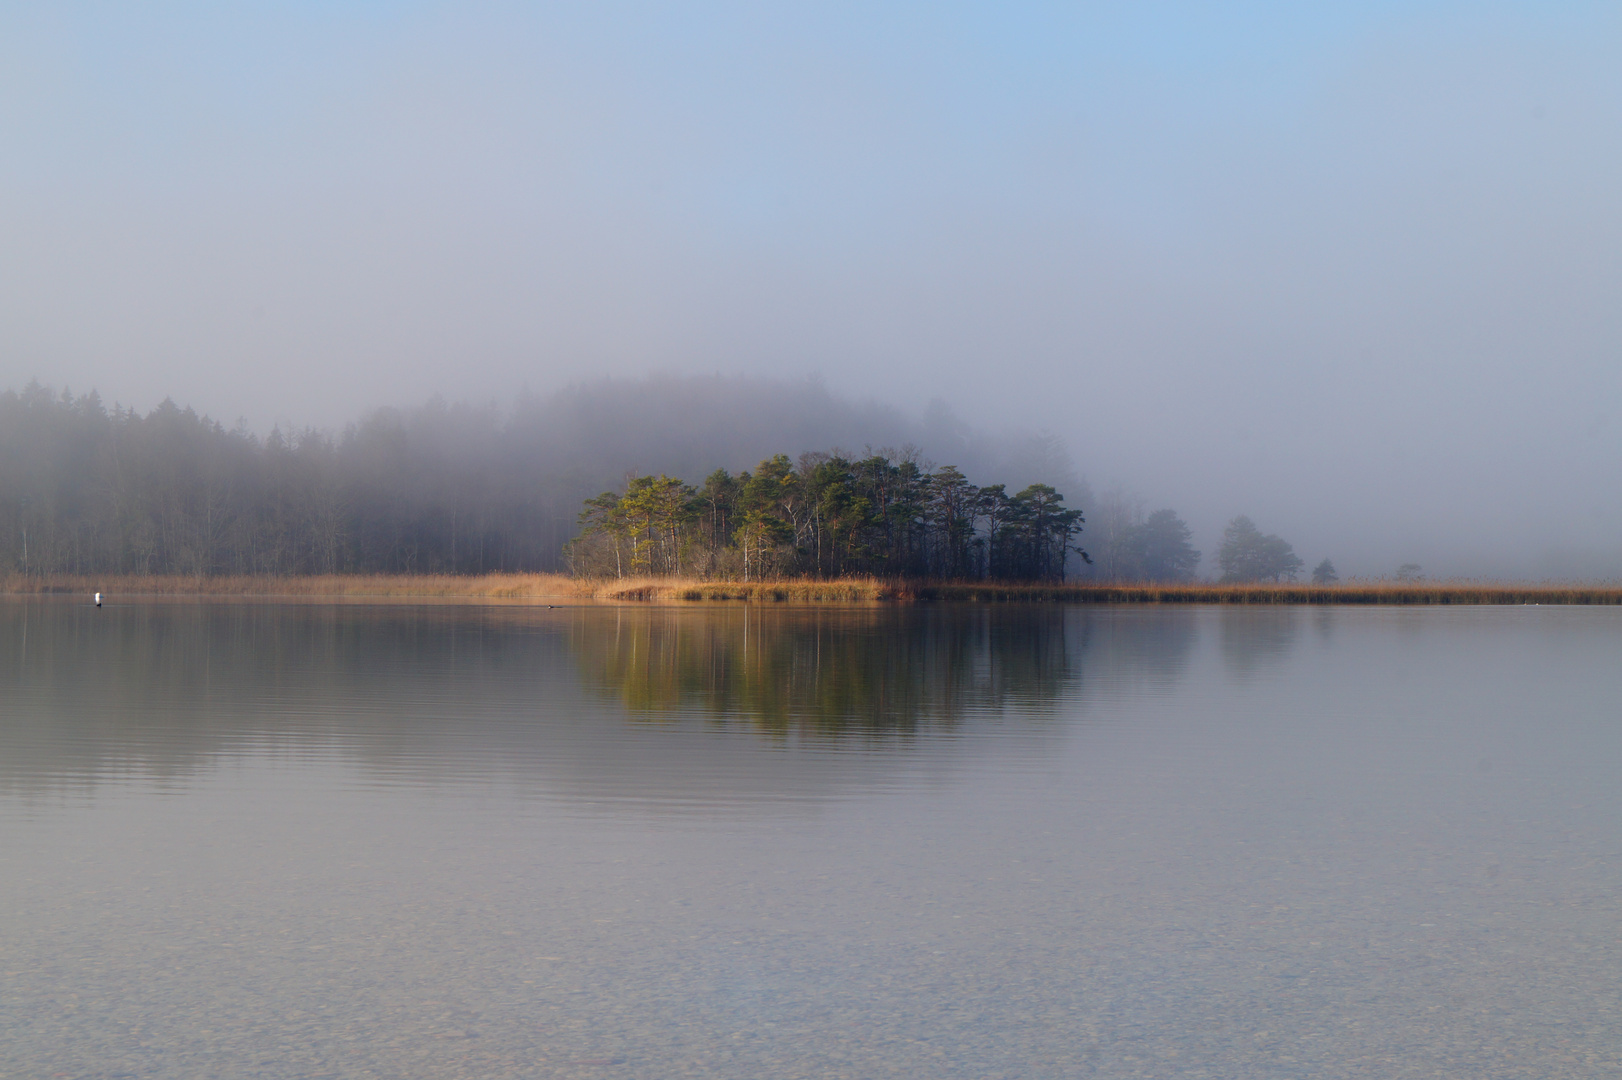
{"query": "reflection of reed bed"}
pixel 541 587
pixel 875 670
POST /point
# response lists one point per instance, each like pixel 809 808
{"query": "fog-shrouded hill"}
pixel 688 426
pixel 445 487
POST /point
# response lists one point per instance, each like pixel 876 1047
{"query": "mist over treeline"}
pixel 441 488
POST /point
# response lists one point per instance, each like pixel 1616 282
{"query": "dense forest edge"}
pixel 456 489
pixel 828 516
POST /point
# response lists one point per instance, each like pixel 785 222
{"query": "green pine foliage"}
pixel 827 516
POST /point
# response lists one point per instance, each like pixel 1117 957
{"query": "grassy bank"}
pixel 805 591
pixel 540 587
pixel 485 586
pixel 1355 592
pixel 555 587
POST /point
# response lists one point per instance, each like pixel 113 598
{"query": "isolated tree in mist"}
pixel 1112 521
pixel 1158 549
pixel 1324 573
pixel 1247 555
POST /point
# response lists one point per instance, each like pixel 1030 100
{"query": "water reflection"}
pixel 468 842
pixel 1258 638
pixel 162 690
pixel 830 672
pixel 165 691
pixel 1132 650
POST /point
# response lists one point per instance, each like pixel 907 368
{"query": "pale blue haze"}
pixel 1351 270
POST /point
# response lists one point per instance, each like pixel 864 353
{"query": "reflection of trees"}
pixel 167 689
pixel 827 671
pixel 172 689
pixel 1254 636
pixel 131 686
pixel 1139 647
pixel 164 689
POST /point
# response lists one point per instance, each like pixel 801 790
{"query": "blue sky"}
pixel 1323 264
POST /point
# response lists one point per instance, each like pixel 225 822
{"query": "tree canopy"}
pixel 1247 555
pixel 1157 549
pixel 828 515
pixel 91 487
pixel 444 489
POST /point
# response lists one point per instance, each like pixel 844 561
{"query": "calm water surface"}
pixel 426 841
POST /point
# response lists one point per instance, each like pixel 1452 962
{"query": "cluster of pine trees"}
pixel 828 515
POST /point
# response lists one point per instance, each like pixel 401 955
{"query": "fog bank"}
pixel 1349 269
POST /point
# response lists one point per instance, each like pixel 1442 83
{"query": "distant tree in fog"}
pixel 1111 524
pixel 1247 555
pixel 1410 572
pixel 1324 573
pixel 1158 549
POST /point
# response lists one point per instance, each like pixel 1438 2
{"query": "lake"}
pixel 302 840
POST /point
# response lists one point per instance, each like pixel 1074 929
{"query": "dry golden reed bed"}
pixel 554 587
pixel 485 586
pixel 1352 592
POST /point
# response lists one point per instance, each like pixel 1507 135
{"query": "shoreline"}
pixel 542 588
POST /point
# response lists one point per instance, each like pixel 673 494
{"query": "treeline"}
pixel 1130 547
pixel 86 489
pixel 460 489
pixel 828 515
pixel 445 488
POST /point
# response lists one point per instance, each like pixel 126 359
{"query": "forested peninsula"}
pixel 827 516
pixel 87 489
pixel 545 499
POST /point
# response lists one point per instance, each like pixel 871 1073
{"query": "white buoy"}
pixel 98 599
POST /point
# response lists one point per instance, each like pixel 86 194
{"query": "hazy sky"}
pixel 1354 269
